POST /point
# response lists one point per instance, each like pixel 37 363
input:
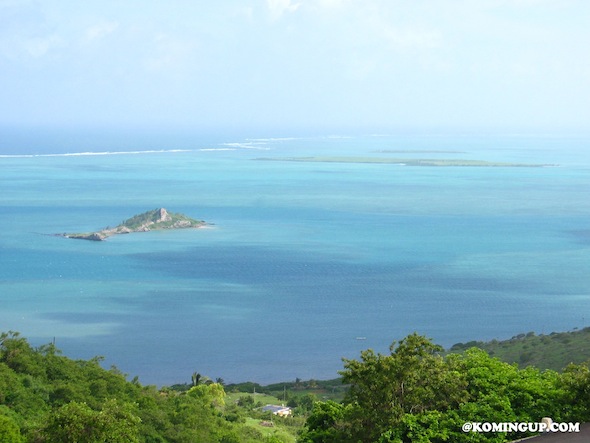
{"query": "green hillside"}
pixel 553 351
pixel 159 219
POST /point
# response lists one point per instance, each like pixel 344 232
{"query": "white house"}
pixel 282 411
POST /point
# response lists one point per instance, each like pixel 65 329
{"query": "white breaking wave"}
pixel 217 149
pixel 273 139
pixel 248 145
pixel 79 154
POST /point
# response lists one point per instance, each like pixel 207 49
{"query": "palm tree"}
pixel 196 378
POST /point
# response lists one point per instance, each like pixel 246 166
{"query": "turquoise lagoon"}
pixel 301 259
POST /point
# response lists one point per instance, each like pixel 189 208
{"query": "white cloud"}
pixel 279 7
pixel 332 4
pixel 170 53
pixel 101 30
pixel 38 47
pixel 405 39
pixel 244 11
pixel 360 67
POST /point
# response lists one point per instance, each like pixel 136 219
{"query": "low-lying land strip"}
pixel 407 161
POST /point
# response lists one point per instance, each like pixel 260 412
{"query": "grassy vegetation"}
pixel 283 429
pixel 553 351
pixel 273 429
pixel 258 399
pixel 153 219
pixel 406 161
pixel 322 389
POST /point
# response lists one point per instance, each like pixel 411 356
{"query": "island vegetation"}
pixel 407 161
pixel 156 219
pixel 544 351
pixel 418 392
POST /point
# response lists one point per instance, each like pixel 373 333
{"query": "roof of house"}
pixel 275 408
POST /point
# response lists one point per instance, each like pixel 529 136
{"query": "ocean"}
pixel 302 263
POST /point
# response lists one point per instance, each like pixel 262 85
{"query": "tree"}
pixel 328 423
pixel 77 423
pixel 198 379
pixel 16 352
pixel 576 384
pixel 9 431
pixel 212 394
pixel 414 378
pixel 307 401
pixel 496 392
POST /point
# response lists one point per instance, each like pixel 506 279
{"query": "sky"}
pixel 289 66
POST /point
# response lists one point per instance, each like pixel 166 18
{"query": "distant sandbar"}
pixel 408 161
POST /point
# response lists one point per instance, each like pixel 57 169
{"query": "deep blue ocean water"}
pixel 301 259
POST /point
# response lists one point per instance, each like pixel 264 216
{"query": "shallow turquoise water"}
pixel 302 258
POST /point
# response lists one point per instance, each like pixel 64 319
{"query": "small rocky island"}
pixel 157 219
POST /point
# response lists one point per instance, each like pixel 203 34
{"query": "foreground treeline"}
pixel 415 394
pixel 48 398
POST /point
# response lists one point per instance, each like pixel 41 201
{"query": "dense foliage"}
pixel 415 394
pixel 47 398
